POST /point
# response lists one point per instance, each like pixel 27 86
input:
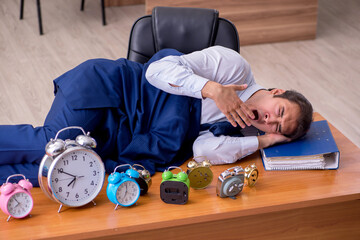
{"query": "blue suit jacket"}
pixel 155 129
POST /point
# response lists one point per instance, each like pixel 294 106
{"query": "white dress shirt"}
pixel 188 74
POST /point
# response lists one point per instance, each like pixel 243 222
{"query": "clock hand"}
pixel 126 190
pixel 72 181
pixel 62 171
pixel 18 203
pixel 65 179
pixel 16 200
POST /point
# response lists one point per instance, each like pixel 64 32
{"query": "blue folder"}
pixel 318 141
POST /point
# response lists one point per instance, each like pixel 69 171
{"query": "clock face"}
pixel 252 177
pixel 233 186
pixel 200 177
pixel 127 193
pixel 19 205
pixel 76 177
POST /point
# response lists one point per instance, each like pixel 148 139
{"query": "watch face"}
pixel 19 205
pixel 76 176
pixel 233 186
pixel 127 193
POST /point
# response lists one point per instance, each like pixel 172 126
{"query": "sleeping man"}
pixel 161 113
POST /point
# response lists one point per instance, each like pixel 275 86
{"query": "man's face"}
pixel 275 115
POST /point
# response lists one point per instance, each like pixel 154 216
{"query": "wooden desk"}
pixel 322 204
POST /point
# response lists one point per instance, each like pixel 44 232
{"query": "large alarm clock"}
pixel 15 199
pixel 70 172
pixel 122 188
pixel 174 188
pixel 144 179
pixel 199 173
pixel 231 181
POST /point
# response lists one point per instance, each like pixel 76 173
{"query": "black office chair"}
pixel 184 29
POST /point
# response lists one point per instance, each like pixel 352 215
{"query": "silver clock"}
pixel 71 173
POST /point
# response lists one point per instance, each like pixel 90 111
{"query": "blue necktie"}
pixel 222 128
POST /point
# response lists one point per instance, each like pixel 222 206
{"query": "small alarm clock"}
pixel 122 188
pixel 144 179
pixel 231 183
pixel 70 172
pixel 251 175
pixel 174 188
pixel 199 173
pixel 15 199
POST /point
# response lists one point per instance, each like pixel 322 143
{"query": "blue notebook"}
pixel 316 150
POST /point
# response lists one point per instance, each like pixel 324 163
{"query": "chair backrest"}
pixel 184 29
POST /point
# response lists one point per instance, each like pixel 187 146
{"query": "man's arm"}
pixel 206 74
pixel 270 139
pixel 227 149
pixel 224 149
pixel 171 75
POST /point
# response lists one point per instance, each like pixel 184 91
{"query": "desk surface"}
pixel 275 191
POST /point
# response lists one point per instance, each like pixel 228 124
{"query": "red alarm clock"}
pixel 15 199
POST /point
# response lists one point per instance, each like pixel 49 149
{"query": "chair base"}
pixel 38 6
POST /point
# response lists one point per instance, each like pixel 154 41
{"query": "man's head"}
pixel 279 111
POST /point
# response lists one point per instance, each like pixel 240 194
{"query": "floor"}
pixel 326 70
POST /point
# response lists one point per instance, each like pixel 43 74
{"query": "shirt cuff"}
pixel 195 85
pixel 250 90
pixel 252 144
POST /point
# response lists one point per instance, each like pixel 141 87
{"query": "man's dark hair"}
pixel 306 112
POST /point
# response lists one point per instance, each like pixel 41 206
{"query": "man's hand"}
pixel 270 139
pixel 228 102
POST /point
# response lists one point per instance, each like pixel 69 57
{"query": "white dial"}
pixel 20 205
pixel 76 177
pixel 233 187
pixel 127 193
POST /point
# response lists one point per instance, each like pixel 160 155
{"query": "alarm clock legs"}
pixel 10 217
pixel 116 206
pixel 60 208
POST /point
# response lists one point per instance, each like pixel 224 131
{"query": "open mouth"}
pixel 256 114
